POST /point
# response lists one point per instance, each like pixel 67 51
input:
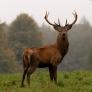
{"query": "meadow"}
pixel 75 81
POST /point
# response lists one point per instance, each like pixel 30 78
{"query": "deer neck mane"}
pixel 62 45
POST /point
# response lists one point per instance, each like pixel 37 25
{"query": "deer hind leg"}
pixel 26 59
pixel 23 77
pixel 33 65
pixel 29 72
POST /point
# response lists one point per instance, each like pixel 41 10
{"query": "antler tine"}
pixel 46 18
pixel 69 26
pixel 58 21
pixel 75 16
pixel 74 13
pixel 55 23
pixel 46 15
pixel 66 22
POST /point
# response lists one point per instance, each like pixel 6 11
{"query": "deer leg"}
pixel 51 73
pixel 23 77
pixel 55 74
pixel 29 72
pixel 33 65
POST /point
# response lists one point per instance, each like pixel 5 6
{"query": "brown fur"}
pixel 48 56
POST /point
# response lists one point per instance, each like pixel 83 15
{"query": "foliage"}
pixel 23 32
pixel 49 36
pixel 7 58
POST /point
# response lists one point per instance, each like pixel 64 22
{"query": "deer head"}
pixel 61 29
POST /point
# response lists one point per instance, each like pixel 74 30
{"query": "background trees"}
pixel 7 56
pixel 24 32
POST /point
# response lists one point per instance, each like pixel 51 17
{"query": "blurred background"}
pixel 22 25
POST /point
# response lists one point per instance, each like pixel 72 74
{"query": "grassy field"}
pixel 77 81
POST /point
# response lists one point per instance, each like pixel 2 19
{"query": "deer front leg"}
pixel 55 73
pixel 51 73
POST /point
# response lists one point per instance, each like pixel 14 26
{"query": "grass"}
pixel 77 81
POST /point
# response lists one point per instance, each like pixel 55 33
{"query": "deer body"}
pixel 48 56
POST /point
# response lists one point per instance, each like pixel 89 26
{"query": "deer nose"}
pixel 63 34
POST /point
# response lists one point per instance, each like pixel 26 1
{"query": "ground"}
pixel 75 81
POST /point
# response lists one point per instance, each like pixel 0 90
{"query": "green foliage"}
pixel 24 32
pixel 7 57
pixel 49 36
pixel 77 81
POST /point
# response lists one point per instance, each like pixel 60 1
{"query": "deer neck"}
pixel 62 45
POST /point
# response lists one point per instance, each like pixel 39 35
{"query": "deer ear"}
pixel 59 28
pixel 55 27
pixel 68 27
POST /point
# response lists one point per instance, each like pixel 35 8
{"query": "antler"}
pixel 75 16
pixel 69 26
pixel 66 22
pixel 58 22
pixel 46 18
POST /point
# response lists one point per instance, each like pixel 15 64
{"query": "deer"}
pixel 49 56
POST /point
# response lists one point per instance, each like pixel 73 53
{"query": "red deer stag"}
pixel 48 56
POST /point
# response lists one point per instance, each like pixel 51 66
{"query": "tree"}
pixel 24 32
pixel 49 35
pixel 7 57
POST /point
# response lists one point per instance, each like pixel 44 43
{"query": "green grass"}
pixel 77 81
